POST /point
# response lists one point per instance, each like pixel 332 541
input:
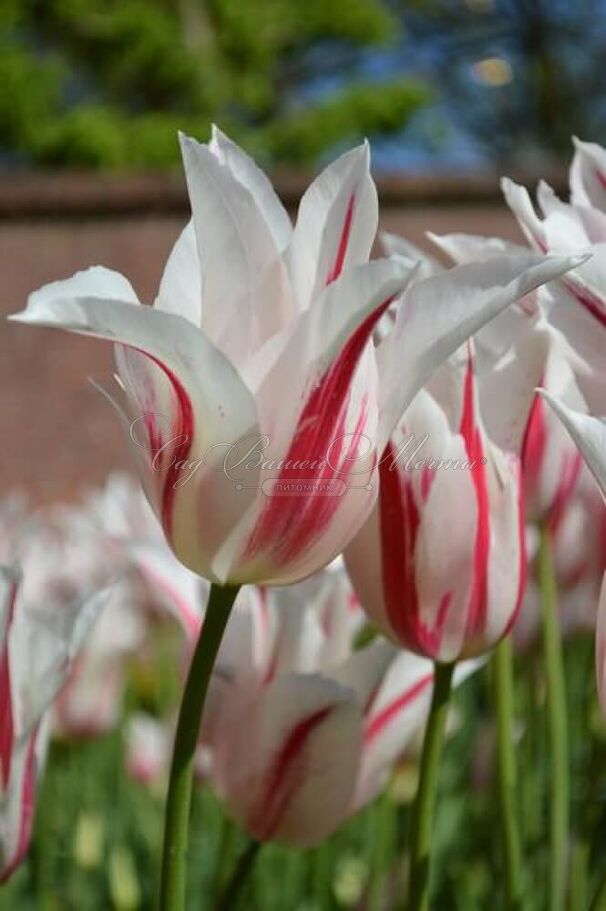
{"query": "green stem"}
pixel 382 852
pixel 577 900
pixel 178 801
pixel 502 667
pixel 421 824
pixel 557 726
pixel 599 899
pixel 242 870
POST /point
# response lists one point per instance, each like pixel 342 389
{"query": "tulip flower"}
pixel 324 724
pixel 249 309
pixel 440 565
pixel 302 736
pixel 66 556
pixel 39 641
pixel 445 589
pixel 91 701
pixel 310 750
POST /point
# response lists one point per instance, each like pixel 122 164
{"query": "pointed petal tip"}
pixel 23 316
pixel 187 143
pixel 566 415
pixel 571 261
pixel 218 136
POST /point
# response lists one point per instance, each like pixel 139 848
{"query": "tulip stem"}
pixel 421 823
pixel 178 801
pixel 557 724
pixel 502 668
pixel 242 870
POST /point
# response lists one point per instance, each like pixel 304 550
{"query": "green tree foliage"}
pixel 106 83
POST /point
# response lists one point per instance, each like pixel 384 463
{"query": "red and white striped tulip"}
pixel 38 644
pixel 255 368
pixel 310 749
pixel 306 730
pixel 440 565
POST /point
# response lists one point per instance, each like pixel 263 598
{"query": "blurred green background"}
pixel 106 83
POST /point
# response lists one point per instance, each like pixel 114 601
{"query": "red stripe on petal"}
pixel 587 299
pixel 183 431
pixel 187 614
pixel 534 445
pixel 284 776
pixel 534 453
pixel 472 437
pixel 7 724
pixel 289 525
pixel 399 524
pixel 399 521
pixel 337 267
pixel 375 726
pixel 601 177
pixel 28 802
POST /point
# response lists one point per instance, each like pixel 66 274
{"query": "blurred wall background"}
pixel 450 92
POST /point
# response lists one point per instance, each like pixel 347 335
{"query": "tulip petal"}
pixel 336 224
pixel 520 203
pixel 17 805
pixel 97 281
pixel 245 298
pixel 391 719
pixel 438 315
pixel 330 402
pixel 252 177
pixel 180 289
pixel 195 386
pixel 588 433
pixel 8 593
pixel 364 670
pixel 287 770
pixel 588 175
pixel 471 248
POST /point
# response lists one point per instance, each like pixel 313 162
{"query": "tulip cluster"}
pixel 359 477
